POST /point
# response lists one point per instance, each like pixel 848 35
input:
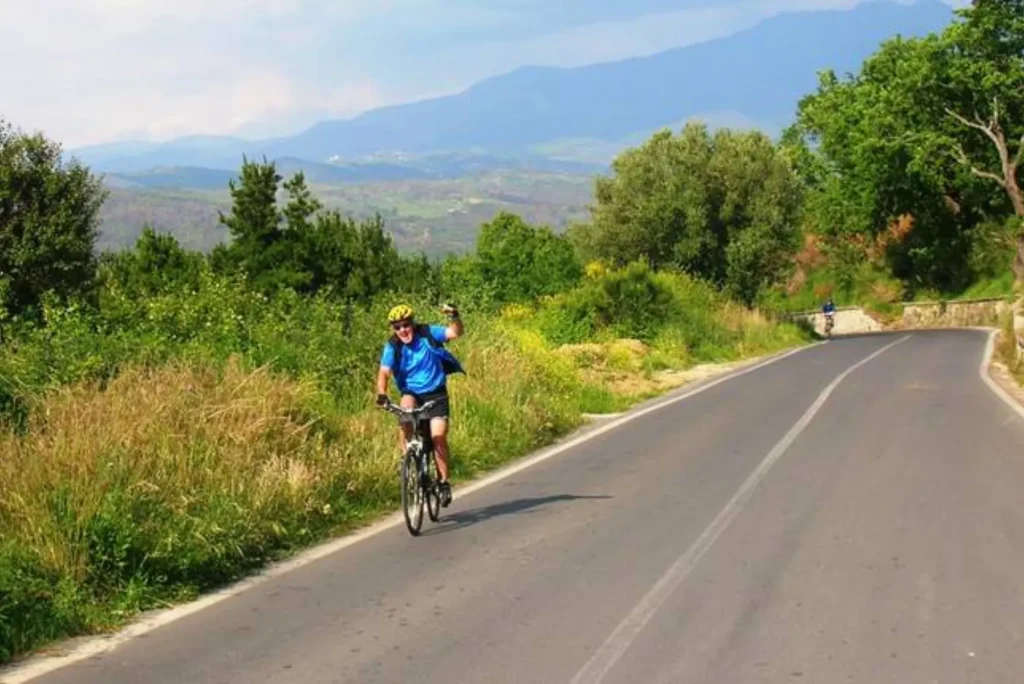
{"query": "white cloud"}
pixel 86 71
pixel 95 70
pixel 146 12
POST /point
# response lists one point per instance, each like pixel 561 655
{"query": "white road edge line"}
pixel 609 653
pixel 41 664
pixel 986 361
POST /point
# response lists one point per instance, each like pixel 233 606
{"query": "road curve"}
pixel 797 523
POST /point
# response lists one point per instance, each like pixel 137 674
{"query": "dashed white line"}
pixel 609 653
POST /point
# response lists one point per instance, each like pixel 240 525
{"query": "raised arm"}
pixel 454 329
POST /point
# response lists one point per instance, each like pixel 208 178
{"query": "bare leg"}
pixel 439 435
pixel 405 429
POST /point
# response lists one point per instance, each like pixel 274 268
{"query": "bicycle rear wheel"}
pixel 412 494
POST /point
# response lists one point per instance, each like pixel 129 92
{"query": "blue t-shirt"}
pixel 423 370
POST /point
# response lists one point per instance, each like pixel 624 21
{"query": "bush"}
pixel 157 264
pixel 722 206
pixel 48 215
pixel 629 302
pixel 992 249
pixel 524 262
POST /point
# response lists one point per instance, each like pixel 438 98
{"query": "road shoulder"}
pixel 998 377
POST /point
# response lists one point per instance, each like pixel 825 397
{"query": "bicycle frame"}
pixel 421 426
pixel 419 449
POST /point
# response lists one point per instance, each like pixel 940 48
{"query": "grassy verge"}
pixel 1006 349
pixel 202 436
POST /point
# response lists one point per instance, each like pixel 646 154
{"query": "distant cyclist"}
pixel 829 310
pixel 415 356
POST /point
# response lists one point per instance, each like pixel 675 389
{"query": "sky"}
pixel 94 71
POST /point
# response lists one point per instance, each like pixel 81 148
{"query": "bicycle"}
pixel 419 469
pixel 830 322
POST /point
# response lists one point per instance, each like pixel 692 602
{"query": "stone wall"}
pixel 979 312
pixel 917 315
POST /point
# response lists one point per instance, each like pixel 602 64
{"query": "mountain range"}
pixel 552 119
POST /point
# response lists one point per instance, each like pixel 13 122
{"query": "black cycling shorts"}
pixel 440 409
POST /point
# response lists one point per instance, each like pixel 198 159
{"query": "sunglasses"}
pixel 402 325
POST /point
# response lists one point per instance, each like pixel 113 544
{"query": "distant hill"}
pixel 435 216
pixel 429 167
pixel 755 76
pixel 172 177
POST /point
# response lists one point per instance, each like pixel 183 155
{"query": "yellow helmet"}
pixel 400 313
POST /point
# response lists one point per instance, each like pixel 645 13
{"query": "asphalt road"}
pixel 777 527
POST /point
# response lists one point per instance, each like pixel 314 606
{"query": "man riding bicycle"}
pixel 417 360
pixel 829 310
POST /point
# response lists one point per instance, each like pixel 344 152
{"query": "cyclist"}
pixel 829 310
pixel 416 358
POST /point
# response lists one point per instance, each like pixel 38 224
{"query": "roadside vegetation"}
pixel 1008 351
pixel 172 419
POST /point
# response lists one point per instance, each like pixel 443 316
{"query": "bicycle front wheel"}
pixel 412 494
pixel 430 486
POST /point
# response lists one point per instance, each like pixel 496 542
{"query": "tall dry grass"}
pixel 167 481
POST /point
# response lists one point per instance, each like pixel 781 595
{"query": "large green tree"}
pixel 929 128
pixel 355 259
pixel 303 246
pixel 48 221
pixel 524 262
pixel 723 206
pixel 986 74
pixel 264 239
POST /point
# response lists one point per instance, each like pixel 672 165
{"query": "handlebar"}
pixel 413 413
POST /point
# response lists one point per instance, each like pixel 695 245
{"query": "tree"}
pixel 357 260
pixel 302 205
pixel 377 264
pixel 524 262
pixel 986 73
pixel 722 207
pixel 420 276
pixel 48 221
pixel 928 128
pixel 156 264
pixel 462 280
pixel 269 254
pixel 881 144
pixel 303 247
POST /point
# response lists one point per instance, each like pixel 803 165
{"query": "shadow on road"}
pixel 458 520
